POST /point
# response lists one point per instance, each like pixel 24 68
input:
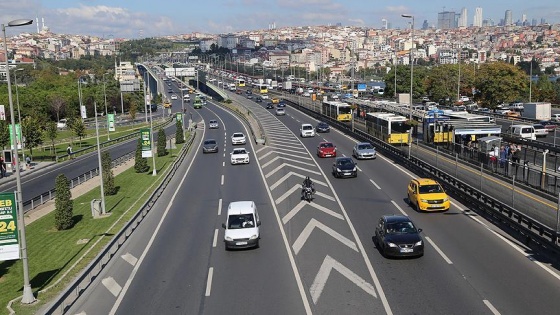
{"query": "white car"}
pixel 264 96
pixel 242 225
pixel 238 138
pixel 173 97
pixel 307 130
pixel 186 97
pixel 239 156
pixel 280 112
pixel 213 124
pixel 61 124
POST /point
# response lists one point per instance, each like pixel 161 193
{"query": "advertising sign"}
pixel 111 121
pixel 83 111
pixel 361 87
pixel 145 135
pixel 9 242
pixel 2 112
pixel 18 136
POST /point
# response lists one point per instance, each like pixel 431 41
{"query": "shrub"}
pixel 140 163
pixel 63 203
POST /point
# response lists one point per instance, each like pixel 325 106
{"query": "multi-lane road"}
pixel 314 257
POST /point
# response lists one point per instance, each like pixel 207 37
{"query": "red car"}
pixel 326 149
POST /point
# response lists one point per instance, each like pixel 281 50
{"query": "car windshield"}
pixel 237 135
pixel 401 228
pixel 239 151
pixel 209 142
pixel 345 162
pixel 213 122
pixel 430 189
pixel 326 145
pixel 307 127
pixel 366 146
pixel 322 124
pixel 240 221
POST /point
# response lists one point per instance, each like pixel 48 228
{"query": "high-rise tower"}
pixel 477 21
pixel 463 18
pixel 508 19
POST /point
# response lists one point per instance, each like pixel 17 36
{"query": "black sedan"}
pixel 281 104
pixel 258 99
pixel 396 235
pixel 210 146
pixel 344 167
pixel 323 127
pixel 269 106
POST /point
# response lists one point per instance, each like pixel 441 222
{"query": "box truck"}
pixel 539 111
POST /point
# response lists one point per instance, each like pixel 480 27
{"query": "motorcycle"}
pixel 307 193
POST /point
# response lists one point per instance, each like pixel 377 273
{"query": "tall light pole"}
pixel 459 76
pixel 106 113
pixel 395 65
pixel 27 297
pixel 409 16
pixel 530 81
pixel 19 113
pixel 99 161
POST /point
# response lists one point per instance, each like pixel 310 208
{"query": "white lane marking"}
pixel 224 153
pixel 215 241
pixel 279 144
pixel 259 150
pixel 313 223
pixel 318 193
pixel 209 281
pixel 343 155
pixel 220 206
pixel 398 207
pixel 322 276
pixel 224 163
pixel 286 154
pixel 510 243
pixel 359 169
pixel 300 206
pixel 375 184
pixel 491 307
pixel 153 237
pixel 81 313
pixel 286 159
pixel 287 194
pixel 438 250
pixel 285 177
pixel 112 286
pixel 293 166
pixel 222 180
pixel 129 259
pixel 301 151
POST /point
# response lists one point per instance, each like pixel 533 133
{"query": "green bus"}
pixel 197 102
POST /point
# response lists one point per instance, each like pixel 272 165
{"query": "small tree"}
pixel 140 163
pixel 51 131
pixel 63 203
pixel 179 136
pixel 132 110
pixel 4 134
pixel 31 129
pixel 109 188
pixel 161 151
pixel 78 128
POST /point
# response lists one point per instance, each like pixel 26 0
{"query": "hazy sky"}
pixel 143 18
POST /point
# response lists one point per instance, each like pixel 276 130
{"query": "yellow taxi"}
pixel 166 104
pixel 275 100
pixel 426 194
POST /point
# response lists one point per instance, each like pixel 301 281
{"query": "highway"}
pixel 314 257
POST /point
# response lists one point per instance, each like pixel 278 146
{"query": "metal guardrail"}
pixel 525 226
pixel 75 289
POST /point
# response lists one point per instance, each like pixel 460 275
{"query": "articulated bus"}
pixel 240 82
pixel 197 102
pixel 337 110
pixel 262 87
pixel 388 127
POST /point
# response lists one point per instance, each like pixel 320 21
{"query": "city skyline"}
pixel 141 18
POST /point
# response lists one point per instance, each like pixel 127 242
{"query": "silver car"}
pixel 280 112
pixel 209 146
pixel 364 150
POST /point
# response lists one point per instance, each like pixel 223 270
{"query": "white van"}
pixel 242 225
pixel 307 130
pixel 522 131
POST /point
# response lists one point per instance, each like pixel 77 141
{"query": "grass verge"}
pixel 52 253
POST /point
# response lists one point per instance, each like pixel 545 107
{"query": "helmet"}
pixel 307 177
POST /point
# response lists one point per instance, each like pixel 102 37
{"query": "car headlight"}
pixel 424 200
pixel 353 170
pixel 253 237
pixel 419 243
pixel 228 238
pixel 338 170
pixel 445 199
pixel 391 244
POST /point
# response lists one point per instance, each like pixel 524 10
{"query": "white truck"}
pixel 287 85
pixel 539 110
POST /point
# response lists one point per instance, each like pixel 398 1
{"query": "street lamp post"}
pixel 19 113
pixel 99 161
pixel 106 113
pixel 27 297
pixel 409 16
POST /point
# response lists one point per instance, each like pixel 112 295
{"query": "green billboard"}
pixel 145 136
pixel 9 242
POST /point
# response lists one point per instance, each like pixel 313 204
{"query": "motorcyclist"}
pixel 307 183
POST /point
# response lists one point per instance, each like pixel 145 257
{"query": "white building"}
pixel 477 21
